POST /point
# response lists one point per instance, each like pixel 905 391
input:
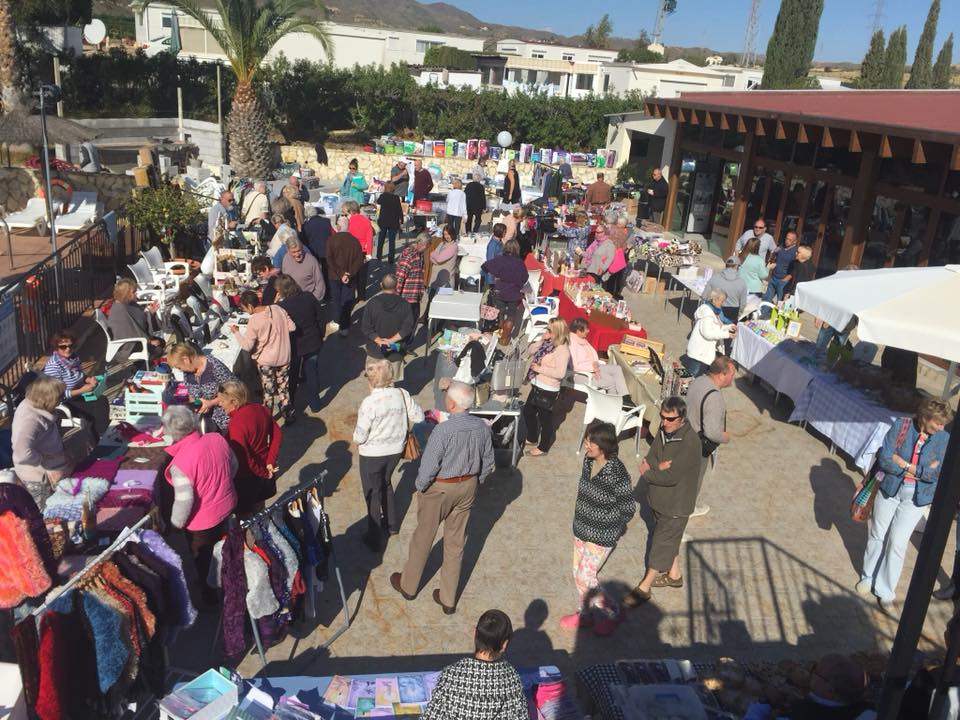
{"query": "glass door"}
pixel 724 207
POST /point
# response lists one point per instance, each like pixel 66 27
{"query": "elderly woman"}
pixel 64 365
pixel 202 376
pixel 254 437
pixel 509 277
pixel 267 339
pixel 456 205
pixel 600 255
pixel 383 421
pixel 605 504
pixel 550 358
pixel 619 233
pixel 359 226
pixel 201 472
pixel 585 361
pixel 283 232
pixel 711 327
pixel 38 456
pixel 305 342
pixel 295 215
pixel 129 320
pixel 443 260
pixel 907 470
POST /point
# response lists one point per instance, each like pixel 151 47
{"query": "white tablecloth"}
pixel 771 363
pixel 851 419
pixel 461 306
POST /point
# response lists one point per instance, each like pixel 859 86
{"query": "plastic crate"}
pixel 144 404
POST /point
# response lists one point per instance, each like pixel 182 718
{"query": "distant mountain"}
pixel 424 16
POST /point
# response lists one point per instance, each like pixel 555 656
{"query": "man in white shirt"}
pixel 256 204
pixel 768 245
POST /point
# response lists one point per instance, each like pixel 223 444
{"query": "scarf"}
pixel 719 313
pixel 545 349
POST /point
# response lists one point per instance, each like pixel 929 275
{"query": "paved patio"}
pixel 768 575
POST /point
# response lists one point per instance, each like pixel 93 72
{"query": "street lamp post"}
pixel 49 94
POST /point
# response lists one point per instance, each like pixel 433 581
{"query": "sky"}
pixel 721 24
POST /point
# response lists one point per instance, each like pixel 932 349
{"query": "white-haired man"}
pixel 304 268
pixel 256 204
pixel 459 453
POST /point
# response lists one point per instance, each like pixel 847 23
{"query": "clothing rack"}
pixel 279 503
pixel 112 548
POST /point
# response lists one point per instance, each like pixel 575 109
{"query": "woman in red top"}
pixel 359 226
pixel 254 437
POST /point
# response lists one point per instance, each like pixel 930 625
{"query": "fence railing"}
pixel 52 296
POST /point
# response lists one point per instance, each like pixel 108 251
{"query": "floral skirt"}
pixel 276 388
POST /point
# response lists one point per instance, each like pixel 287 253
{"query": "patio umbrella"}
pixel 20 126
pixel 908 308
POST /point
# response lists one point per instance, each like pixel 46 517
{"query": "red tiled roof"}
pixel 916 111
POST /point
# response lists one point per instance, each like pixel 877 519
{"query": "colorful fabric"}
pixel 112 653
pixel 410 274
pixel 276 387
pixel 152 545
pixel 588 558
pixel 67 501
pixel 546 347
pixel 22 571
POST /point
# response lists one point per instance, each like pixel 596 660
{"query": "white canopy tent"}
pixel 908 308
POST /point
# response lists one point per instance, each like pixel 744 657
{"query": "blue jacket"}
pixel 932 452
pixel 494 249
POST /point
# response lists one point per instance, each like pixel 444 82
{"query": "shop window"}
pixel 732 140
pixel 770 147
pixel 946 241
pixel 838 160
pixel 879 238
pixel 725 201
pixel 834 230
pixel 584 82
pixel 909 247
pixel 903 173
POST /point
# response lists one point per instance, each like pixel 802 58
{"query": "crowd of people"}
pixel 226 442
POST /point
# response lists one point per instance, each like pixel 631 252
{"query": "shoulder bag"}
pixel 861 507
pixel 707 445
pixel 411 448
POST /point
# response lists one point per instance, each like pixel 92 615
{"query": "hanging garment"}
pixel 22 571
pixel 260 599
pixel 151 542
pixel 107 626
pixel 17 499
pixel 234 582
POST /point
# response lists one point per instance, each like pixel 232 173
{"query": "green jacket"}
pixel 673 491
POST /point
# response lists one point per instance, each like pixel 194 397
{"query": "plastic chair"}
pixel 155 260
pixel 610 408
pixel 534 281
pixel 141 352
pixel 205 314
pixel 537 312
pixel 203 282
pixel 148 281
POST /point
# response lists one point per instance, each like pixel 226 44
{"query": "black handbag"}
pixel 707 445
pixel 542 399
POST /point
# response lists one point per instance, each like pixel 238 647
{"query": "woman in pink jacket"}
pixel 550 357
pixel 267 339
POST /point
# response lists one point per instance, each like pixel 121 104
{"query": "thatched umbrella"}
pixel 21 127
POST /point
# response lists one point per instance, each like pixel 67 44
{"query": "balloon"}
pixel 504 139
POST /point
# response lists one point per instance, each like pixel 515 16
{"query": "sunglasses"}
pixel 669 418
pixel 67 346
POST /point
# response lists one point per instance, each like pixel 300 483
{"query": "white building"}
pixel 446 78
pixel 560 70
pixel 352 44
pixel 545 51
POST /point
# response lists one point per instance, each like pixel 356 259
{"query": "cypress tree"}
pixel 791 46
pixel 871 71
pixel 943 68
pixel 921 73
pixel 895 59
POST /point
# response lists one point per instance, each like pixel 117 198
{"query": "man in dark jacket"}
pixel 344 259
pixel 390 221
pixel 316 232
pixel 670 470
pixel 476 204
pixel 386 322
pixel 305 342
pixel 422 185
pixel 657 191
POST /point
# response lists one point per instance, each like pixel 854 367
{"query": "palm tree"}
pixel 10 96
pixel 246 31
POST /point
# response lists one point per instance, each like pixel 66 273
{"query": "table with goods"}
pixel 608 319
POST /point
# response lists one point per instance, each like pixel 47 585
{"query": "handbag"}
pixel 542 399
pixel 411 448
pixel 861 507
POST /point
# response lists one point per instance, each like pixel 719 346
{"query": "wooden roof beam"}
pixel 681 115
pixel 854 144
pixel 885 150
pixel 802 134
pixel 826 140
pixel 694 117
pixel 741 125
pixel 758 129
pixel 955 158
pixel 724 122
pixel 780 133
pixel 708 119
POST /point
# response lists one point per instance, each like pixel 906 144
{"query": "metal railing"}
pixel 34 307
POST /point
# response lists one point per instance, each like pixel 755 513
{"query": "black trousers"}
pixel 375 474
pixel 362 280
pixel 539 423
pixel 454 222
pixel 473 221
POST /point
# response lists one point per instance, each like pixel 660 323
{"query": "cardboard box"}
pixel 633 345
pixel 649 286
pixel 598 317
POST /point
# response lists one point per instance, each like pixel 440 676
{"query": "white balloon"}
pixel 504 139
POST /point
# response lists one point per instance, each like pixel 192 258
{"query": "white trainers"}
pixel 888 606
pixel 864 588
pixel 700 510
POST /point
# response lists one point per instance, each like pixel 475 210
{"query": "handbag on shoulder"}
pixel 861 507
pixel 411 448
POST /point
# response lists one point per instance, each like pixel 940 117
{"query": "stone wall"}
pixel 17 185
pixel 378 166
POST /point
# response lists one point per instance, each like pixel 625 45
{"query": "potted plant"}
pixel 166 212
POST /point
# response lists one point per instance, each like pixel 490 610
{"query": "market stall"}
pixel 608 319
pixel 787 364
pixel 643 384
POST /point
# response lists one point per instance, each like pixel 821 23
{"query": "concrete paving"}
pixel 768 575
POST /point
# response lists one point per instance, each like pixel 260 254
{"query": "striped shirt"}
pixel 410 274
pixel 461 445
pixel 68 370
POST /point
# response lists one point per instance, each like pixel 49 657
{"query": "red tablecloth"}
pixel 550 282
pixel 599 336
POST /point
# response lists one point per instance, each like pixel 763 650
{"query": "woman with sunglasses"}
pixel 671 469
pixel 605 505
pixel 64 365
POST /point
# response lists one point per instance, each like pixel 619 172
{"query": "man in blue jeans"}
pixel 782 269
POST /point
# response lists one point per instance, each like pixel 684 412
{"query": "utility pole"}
pixel 658 23
pixel 877 16
pixel 749 56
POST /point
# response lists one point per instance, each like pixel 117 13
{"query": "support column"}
pixel 674 177
pixel 855 235
pixel 739 213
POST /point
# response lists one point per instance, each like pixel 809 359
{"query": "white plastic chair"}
pixel 157 265
pixel 146 280
pixel 141 352
pixel 205 314
pixel 610 408
pixel 68 420
pixel 534 280
pixel 203 282
pixel 533 324
pixel 470 270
